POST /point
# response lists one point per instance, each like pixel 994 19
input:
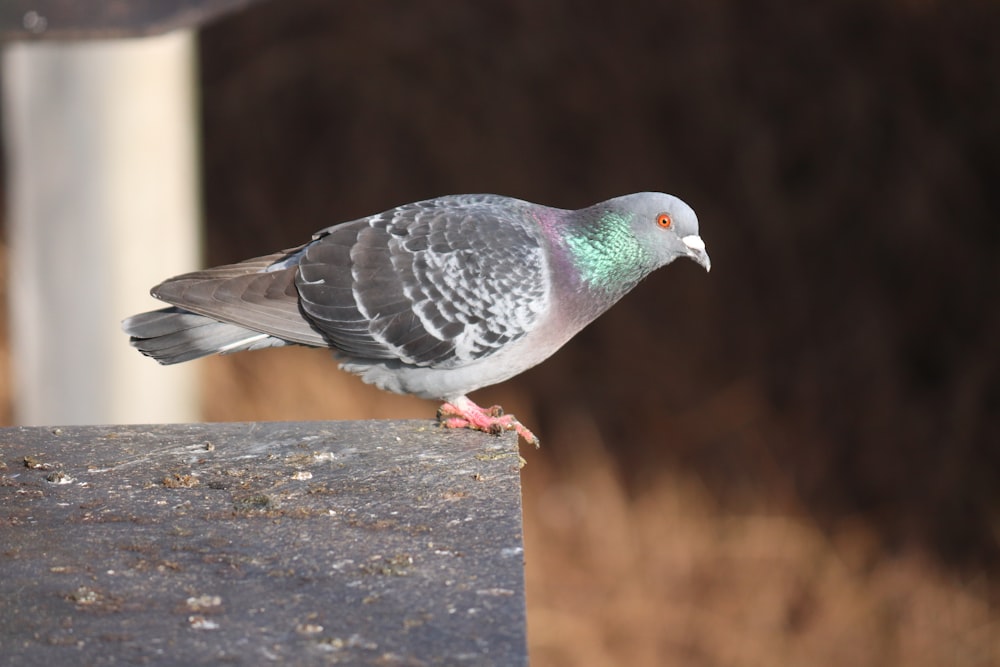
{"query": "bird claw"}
pixel 466 414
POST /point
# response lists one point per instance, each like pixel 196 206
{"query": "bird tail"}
pixel 173 335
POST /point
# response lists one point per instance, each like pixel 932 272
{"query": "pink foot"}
pixel 463 413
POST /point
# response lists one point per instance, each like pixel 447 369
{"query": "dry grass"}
pixel 667 578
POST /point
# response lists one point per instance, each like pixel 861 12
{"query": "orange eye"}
pixel 663 220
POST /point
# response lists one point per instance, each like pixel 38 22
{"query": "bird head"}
pixel 664 225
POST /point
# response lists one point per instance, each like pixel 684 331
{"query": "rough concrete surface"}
pixel 387 542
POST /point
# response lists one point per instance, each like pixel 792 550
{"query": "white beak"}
pixel 697 250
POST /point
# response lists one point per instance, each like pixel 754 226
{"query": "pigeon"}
pixel 436 298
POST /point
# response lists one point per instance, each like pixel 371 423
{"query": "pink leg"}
pixel 463 413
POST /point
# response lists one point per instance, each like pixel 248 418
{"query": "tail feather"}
pixel 173 335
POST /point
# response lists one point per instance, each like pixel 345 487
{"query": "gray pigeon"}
pixel 436 298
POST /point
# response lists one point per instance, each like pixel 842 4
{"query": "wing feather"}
pixel 246 294
pixel 441 283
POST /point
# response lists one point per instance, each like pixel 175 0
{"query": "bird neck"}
pixel 604 254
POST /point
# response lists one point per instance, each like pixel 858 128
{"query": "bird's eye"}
pixel 663 220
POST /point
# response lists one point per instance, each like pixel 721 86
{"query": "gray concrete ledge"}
pixel 384 542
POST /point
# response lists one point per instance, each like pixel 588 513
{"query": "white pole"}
pixel 101 141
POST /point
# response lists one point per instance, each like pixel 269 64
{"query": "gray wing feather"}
pixel 246 294
pixel 440 283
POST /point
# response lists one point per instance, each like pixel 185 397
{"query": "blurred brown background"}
pixel 791 460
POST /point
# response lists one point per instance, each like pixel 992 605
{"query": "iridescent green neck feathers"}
pixel 607 254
